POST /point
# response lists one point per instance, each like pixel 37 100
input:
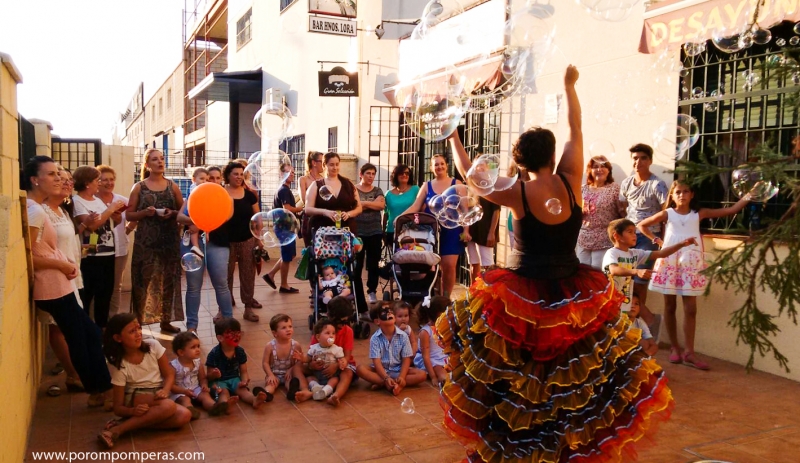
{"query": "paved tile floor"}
pixel 724 414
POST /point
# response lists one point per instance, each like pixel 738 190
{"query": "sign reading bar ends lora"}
pixel 335 26
pixel 338 82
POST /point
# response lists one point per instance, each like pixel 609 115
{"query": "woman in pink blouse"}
pixel 54 288
pixel 600 206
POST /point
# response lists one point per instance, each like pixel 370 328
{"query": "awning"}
pixel 235 87
pixel 671 23
pixel 484 74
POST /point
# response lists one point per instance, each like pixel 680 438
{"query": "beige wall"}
pixel 21 340
pixel 121 159
pixel 170 116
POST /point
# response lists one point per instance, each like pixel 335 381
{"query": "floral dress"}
pixel 679 274
pixel 155 264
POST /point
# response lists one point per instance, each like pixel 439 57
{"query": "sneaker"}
pixel 197 251
pixel 372 298
pixel 318 392
pixel 186 238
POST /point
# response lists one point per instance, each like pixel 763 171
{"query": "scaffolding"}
pixel 205 46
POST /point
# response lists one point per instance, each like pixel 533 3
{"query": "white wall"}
pixel 248 140
pixel 218 128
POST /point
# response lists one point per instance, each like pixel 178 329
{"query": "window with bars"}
pixel 73 153
pixel 243 31
pixel 333 139
pixel 749 108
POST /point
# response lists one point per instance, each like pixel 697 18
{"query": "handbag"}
pixel 303 265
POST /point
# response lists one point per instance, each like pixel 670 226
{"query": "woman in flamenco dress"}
pixel 543 367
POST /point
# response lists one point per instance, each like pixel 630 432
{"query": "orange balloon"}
pixel 210 206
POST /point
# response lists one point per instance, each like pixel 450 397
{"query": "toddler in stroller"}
pixel 415 263
pixel 332 284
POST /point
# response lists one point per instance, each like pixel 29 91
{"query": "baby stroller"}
pixel 333 247
pixel 415 262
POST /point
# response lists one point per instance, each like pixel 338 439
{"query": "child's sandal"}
pixel 108 438
pixel 219 408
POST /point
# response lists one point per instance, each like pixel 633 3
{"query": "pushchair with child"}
pixel 415 262
pixel 334 247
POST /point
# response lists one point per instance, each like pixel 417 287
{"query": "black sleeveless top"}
pixel 546 251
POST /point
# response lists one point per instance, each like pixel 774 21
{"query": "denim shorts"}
pixel 645 244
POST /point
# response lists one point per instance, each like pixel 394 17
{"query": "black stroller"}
pixel 415 260
pixel 333 247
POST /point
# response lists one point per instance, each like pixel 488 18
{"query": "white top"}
pixel 105 234
pixel 68 241
pixel 680 227
pixel 639 324
pixel 629 259
pixel 186 377
pixel 438 357
pixel 144 375
pixel 326 354
pixel 120 237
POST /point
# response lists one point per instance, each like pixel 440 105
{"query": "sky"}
pixel 82 60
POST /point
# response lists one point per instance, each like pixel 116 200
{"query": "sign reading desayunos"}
pixel 338 82
pixel 335 26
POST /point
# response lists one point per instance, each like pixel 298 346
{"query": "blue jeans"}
pixel 216 262
pixel 645 244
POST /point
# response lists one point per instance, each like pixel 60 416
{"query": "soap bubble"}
pixel 273 122
pixel 794 41
pixel 263 170
pixel 191 262
pixel 698 92
pixel 601 148
pixel 434 13
pixel 407 406
pixel 483 173
pixel 753 182
pixel 436 118
pixel 710 106
pixel 553 206
pixel 727 39
pixel 664 143
pixel 277 227
pixel 780 42
pixel 694 49
pixel 762 36
pixel 776 60
pixel 472 216
pixel 689 124
pixel 325 193
pixel 436 205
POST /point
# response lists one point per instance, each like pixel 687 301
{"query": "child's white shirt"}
pixel 629 259
pixel 641 325
pixel 330 354
pixel 144 375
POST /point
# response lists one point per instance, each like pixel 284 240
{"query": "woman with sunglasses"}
pixel 537 363
pixel 398 199
pixel 601 205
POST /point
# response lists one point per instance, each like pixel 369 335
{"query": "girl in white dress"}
pixel 679 274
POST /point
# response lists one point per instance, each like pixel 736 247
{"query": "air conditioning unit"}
pixel 273 95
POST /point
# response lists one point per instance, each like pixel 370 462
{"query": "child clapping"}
pixel 227 369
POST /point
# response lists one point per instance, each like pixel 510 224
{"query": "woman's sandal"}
pixel 691 360
pixel 108 438
pixel 250 316
pixel 54 391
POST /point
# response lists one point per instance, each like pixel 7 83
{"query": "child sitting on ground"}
pixel 647 342
pixel 199 177
pixel 327 353
pixel 331 284
pixel 141 379
pixel 280 356
pixel 191 384
pixel 391 355
pixel 402 318
pixel 227 369
pixel 430 356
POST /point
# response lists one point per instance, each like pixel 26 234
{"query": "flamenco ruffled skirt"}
pixel 547 371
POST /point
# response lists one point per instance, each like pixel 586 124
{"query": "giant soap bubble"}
pixel 273 122
pixel 191 262
pixel 263 170
pixel 753 182
pixel 277 227
pixel 455 207
pixel 483 173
